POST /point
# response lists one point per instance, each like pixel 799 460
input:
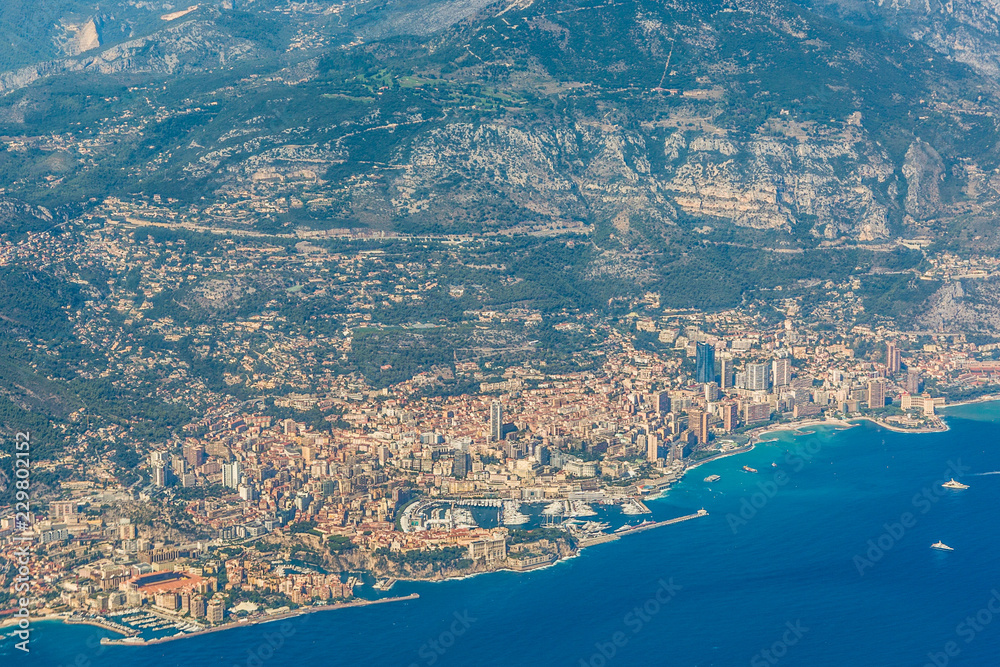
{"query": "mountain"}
pixel 692 142
pixel 846 122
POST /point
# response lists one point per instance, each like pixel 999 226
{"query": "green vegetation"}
pixel 433 558
pixel 520 536
pixel 303 527
pixel 338 544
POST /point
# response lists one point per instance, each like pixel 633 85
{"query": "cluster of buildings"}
pixel 286 439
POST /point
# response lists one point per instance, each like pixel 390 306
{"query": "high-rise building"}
pixel 757 379
pixel 543 455
pixel 496 421
pixel 215 611
pixel 652 448
pixel 704 368
pixel 876 394
pixel 194 454
pixel 661 402
pixel 892 358
pixel 781 371
pixel 730 414
pixel 711 392
pixel 726 373
pixel 695 423
pixel 757 412
pixel 231 473
pixel 197 607
pixel 461 467
pixel 913 381
pixel 159 475
pixel 179 466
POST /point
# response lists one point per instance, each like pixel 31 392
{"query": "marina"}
pixel 591 538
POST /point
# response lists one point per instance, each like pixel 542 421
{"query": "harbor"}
pixel 646 525
pixel 139 641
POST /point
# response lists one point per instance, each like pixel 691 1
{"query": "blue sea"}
pixel 823 559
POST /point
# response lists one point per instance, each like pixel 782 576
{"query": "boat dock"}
pixel 600 539
pixel 138 641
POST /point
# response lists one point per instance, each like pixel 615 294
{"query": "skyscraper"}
pixel 781 371
pixel 496 421
pixel 696 423
pixel 730 414
pixel 913 381
pixel 892 358
pixel 652 448
pixel 461 467
pixel 661 401
pixel 159 475
pixel 726 373
pixel 876 394
pixel 231 475
pixel 704 369
pixel 757 377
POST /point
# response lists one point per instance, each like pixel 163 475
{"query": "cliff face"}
pixel 782 175
pixel 187 47
pixel 964 305
pixel 750 118
pixel 79 37
pixel 923 170
pixel 967 30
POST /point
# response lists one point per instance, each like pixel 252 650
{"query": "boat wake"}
pixel 978 474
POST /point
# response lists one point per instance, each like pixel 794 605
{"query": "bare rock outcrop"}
pixel 923 169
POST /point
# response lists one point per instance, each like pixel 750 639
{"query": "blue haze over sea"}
pixel 791 565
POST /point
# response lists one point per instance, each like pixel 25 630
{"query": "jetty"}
pixel 611 537
pixel 137 641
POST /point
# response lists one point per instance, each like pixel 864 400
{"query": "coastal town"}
pixel 294 483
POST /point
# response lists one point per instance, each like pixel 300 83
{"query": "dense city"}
pixel 277 477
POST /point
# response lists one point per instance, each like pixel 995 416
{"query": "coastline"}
pixel 301 611
pixel 899 429
pixel 6 623
pixel 754 437
pixel 988 398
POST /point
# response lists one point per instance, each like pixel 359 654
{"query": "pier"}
pixel 611 537
pixel 136 641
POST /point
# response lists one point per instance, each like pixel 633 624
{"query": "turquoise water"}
pixel 795 576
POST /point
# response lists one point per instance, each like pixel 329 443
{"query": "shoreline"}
pixel 988 398
pixel 301 611
pixel 754 438
pixel 900 429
